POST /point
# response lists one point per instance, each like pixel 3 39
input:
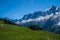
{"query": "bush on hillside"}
pixel 34 27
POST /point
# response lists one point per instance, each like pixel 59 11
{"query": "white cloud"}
pixel 41 18
pixel 58 24
pixel 24 21
pixel 17 22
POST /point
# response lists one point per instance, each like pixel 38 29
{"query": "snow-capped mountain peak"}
pixel 46 19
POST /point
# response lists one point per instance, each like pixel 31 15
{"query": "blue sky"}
pixel 16 9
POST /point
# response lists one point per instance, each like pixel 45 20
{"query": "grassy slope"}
pixel 13 32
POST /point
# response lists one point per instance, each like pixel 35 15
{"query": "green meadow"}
pixel 14 32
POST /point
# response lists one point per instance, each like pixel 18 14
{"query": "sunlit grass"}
pixel 13 32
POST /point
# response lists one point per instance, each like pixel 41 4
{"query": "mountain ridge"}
pixel 47 18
